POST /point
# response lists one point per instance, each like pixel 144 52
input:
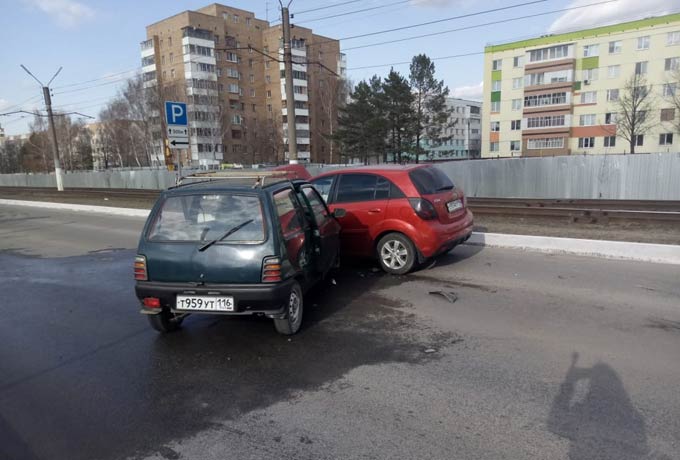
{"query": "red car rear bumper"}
pixel 434 238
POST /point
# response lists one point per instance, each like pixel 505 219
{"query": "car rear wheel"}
pixel 165 321
pixel 396 253
pixel 294 309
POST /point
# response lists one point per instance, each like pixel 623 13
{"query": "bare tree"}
pixel 334 92
pixel 673 96
pixel 635 105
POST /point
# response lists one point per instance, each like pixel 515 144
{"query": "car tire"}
pixel 294 310
pixel 396 254
pixel 165 321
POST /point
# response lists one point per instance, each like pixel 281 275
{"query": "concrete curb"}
pixel 643 252
pixel 128 212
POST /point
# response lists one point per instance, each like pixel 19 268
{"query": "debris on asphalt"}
pixel 448 295
pixel 430 350
pixel 333 281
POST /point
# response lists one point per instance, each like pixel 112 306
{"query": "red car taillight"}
pixel 271 270
pixel 140 269
pixel 423 208
pixel 152 302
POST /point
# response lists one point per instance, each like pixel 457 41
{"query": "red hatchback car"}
pixel 403 215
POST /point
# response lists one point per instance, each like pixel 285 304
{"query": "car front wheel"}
pixel 396 253
pixel 294 309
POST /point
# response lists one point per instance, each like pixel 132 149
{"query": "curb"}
pixel 642 252
pixel 622 250
pixel 128 212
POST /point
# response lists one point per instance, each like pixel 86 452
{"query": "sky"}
pixel 97 42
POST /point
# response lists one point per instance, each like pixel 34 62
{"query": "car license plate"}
pixel 452 206
pixel 204 303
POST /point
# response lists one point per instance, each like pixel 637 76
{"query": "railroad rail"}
pixel 575 210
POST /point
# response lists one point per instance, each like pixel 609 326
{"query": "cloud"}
pixel 66 13
pixel 474 92
pixel 609 13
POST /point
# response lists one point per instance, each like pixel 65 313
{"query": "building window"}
pixel 493 146
pixel 643 43
pixel 546 121
pixel 236 119
pixel 518 61
pixel 612 95
pixel 515 146
pixel 269 107
pixel 587 120
pixel 250 63
pixel 251 78
pixel 516 125
pixel 164 74
pixel 266 65
pixel 236 18
pixel 252 92
pixel 496 106
pixel 546 78
pixel 610 118
pixel 545 99
pixel 219 72
pixel 610 141
pixel 268 79
pixel 497 64
pixel 673 38
pixel 495 126
pixel 233 88
pixel 163 60
pixel 672 63
pixel 591 50
pixel 669 89
pixel 615 47
pixel 544 54
pixel 517 83
pixel 225 16
pixel 172 57
pixel 169 42
pixel 667 114
pixel 231 57
pixel 590 75
pixel 614 71
pixel 172 73
pixel 639 140
pixel 666 139
pixel 517 104
pixel 232 73
pixel 589 97
pixel 546 143
pixel 641 68
pixel 586 142
pixel 248 22
pixel 269 94
pixel 496 85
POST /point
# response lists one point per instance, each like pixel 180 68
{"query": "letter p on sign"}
pixel 176 113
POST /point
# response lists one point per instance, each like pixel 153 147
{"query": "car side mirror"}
pixel 339 212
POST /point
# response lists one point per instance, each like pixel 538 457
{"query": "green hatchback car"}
pixel 221 245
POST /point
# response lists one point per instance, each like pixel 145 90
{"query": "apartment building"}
pixel 558 94
pixel 227 65
pixel 464 137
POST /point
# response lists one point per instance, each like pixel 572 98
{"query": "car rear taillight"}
pixel 152 302
pixel 271 270
pixel 140 269
pixel 423 208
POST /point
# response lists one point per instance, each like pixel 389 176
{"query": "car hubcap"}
pixel 394 254
pixel 293 307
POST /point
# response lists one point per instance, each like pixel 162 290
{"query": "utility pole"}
pixel 55 144
pixel 290 93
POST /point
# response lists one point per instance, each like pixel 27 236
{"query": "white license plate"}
pixel 204 303
pixel 452 206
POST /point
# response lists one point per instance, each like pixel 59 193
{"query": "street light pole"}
pixel 53 130
pixel 290 93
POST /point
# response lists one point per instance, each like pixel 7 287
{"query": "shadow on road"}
pixel 594 412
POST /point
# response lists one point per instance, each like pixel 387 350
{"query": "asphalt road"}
pixel 540 357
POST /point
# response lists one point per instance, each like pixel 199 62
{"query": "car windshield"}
pixel 430 180
pixel 208 217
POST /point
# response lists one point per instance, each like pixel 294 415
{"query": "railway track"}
pixel 575 210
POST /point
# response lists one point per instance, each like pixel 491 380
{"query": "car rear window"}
pixel 429 181
pixel 208 217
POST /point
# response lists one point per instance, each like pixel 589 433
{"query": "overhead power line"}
pixel 104 77
pixel 354 12
pixel 326 7
pixel 502 21
pixel 477 53
pixel 422 24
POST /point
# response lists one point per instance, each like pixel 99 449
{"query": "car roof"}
pixel 390 169
pixel 231 185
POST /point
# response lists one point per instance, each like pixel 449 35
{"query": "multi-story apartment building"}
pixel 464 136
pixel 558 94
pixel 228 66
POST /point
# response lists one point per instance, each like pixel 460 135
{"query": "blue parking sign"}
pixel 176 113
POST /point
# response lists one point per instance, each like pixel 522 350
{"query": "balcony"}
pixel 203 34
pixel 146 44
pixel 299 112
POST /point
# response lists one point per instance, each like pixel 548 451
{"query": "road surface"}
pixel 550 357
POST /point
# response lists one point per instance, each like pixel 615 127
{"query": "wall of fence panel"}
pixel 648 176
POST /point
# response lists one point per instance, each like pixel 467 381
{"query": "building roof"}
pixel 585 33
